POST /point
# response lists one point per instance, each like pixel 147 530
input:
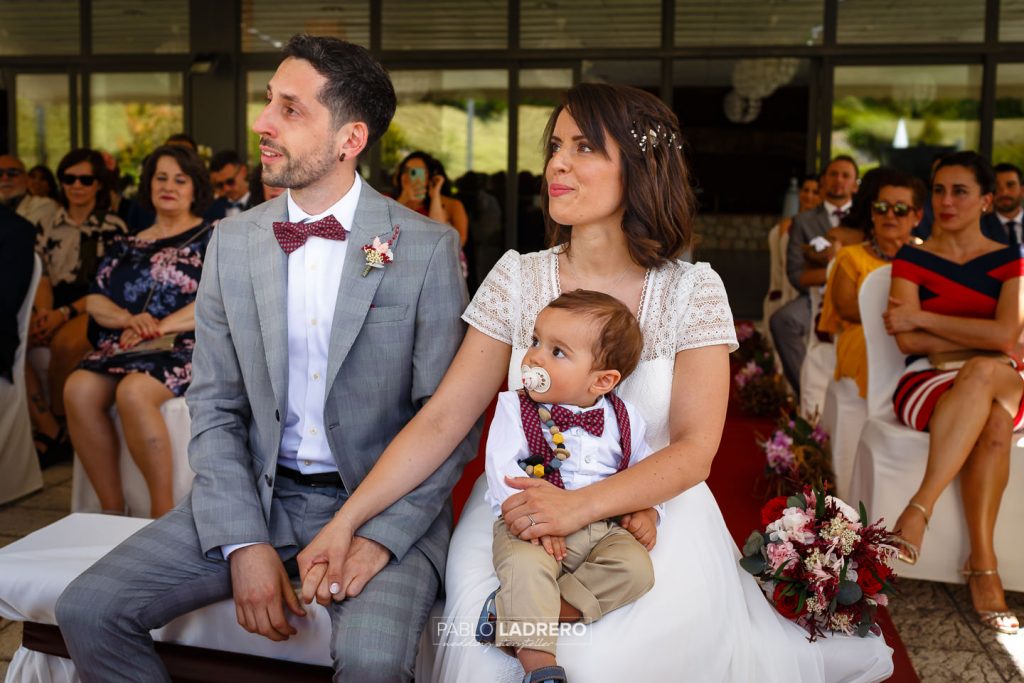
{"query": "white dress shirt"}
pixel 591 458
pixel 1017 227
pixel 833 219
pixel 314 275
pixel 235 208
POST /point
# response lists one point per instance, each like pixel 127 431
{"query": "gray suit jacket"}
pixel 806 226
pixel 394 334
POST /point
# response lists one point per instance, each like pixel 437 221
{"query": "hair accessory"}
pixel 653 136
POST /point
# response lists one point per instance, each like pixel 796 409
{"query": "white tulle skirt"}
pixel 704 620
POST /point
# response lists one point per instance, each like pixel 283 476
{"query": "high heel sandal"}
pixel 56 448
pixel 1004 622
pixel 908 552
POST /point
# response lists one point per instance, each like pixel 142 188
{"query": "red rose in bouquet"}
pixel 772 510
pixel 871 576
pixel 787 604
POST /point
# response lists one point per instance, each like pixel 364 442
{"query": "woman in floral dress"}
pixel 142 327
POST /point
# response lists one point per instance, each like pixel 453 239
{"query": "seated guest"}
pixel 141 323
pixel 958 297
pixel 780 290
pixel 855 226
pixel 896 206
pixel 1005 222
pixel 16 238
pixel 42 183
pixel 71 245
pixel 137 216
pixel 14 192
pixel 806 266
pixel 230 179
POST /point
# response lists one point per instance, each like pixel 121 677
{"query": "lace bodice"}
pixel 684 306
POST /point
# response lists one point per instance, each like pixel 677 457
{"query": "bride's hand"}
pixel 541 509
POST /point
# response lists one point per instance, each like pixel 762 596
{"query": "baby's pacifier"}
pixel 536 379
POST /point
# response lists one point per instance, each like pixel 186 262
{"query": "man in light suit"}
pixel 307 363
pixel 791 323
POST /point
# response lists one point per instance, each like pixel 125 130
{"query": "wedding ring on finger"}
pixel 533 522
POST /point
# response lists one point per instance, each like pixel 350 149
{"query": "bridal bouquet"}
pixel 820 565
pixel 796 452
pixel 758 384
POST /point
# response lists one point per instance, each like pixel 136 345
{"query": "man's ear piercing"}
pixel 342 157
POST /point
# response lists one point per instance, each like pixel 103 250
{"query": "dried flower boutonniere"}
pixel 379 254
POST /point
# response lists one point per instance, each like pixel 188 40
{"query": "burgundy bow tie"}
pixel 291 236
pixel 840 213
pixel 590 420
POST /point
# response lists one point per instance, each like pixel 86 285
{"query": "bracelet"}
pixel 64 312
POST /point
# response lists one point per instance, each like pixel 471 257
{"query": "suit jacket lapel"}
pixel 269 269
pixel 823 218
pixel 355 292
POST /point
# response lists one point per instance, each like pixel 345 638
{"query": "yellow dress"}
pixel 851 350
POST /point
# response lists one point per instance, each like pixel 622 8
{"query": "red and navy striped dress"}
pixel 965 290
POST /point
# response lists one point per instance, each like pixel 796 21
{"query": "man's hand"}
pixel 643 526
pixel 261 589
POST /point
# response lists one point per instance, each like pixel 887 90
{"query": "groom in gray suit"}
pixel 311 354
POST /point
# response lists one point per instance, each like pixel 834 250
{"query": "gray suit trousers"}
pixel 160 573
pixel 789 328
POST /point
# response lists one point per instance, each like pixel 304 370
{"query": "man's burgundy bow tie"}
pixel 291 236
pixel 590 420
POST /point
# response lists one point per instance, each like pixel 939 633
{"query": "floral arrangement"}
pixel 759 386
pixel 820 565
pixel 378 253
pixel 797 452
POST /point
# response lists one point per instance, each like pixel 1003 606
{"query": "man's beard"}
pixel 1007 205
pixel 299 173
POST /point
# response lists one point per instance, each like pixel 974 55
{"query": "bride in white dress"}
pixel 620 208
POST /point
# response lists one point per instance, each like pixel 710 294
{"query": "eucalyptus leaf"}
pixel 864 629
pixel 754 564
pixel 754 544
pixel 863 514
pixel 797 501
pixel 849 592
pixel 819 505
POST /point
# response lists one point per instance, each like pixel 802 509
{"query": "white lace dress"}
pixel 705 619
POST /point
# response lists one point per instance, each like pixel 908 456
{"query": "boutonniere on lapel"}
pixel 379 254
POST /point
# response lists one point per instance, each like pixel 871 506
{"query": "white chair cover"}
pixel 819 364
pixel 891 458
pixel 136 494
pixel 19 462
pixel 843 417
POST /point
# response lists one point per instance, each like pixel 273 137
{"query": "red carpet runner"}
pixel 737 482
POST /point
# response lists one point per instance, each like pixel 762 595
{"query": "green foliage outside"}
pixel 44 133
pixel 131 130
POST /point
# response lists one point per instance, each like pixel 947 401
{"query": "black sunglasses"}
pixel 230 182
pixel 899 209
pixel 70 178
pixel 11 172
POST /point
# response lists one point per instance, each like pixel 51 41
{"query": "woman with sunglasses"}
pixel 896 207
pixel 145 291
pixel 71 246
pixel 958 297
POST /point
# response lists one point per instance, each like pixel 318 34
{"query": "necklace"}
pixel 881 254
pixel 579 280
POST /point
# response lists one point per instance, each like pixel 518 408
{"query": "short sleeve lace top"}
pixel 683 306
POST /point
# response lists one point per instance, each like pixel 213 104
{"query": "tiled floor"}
pixel 935 620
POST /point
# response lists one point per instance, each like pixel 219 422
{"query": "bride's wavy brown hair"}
pixel 659 201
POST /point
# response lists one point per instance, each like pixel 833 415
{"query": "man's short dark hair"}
pixel 1008 168
pixel 358 87
pixel 224 158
